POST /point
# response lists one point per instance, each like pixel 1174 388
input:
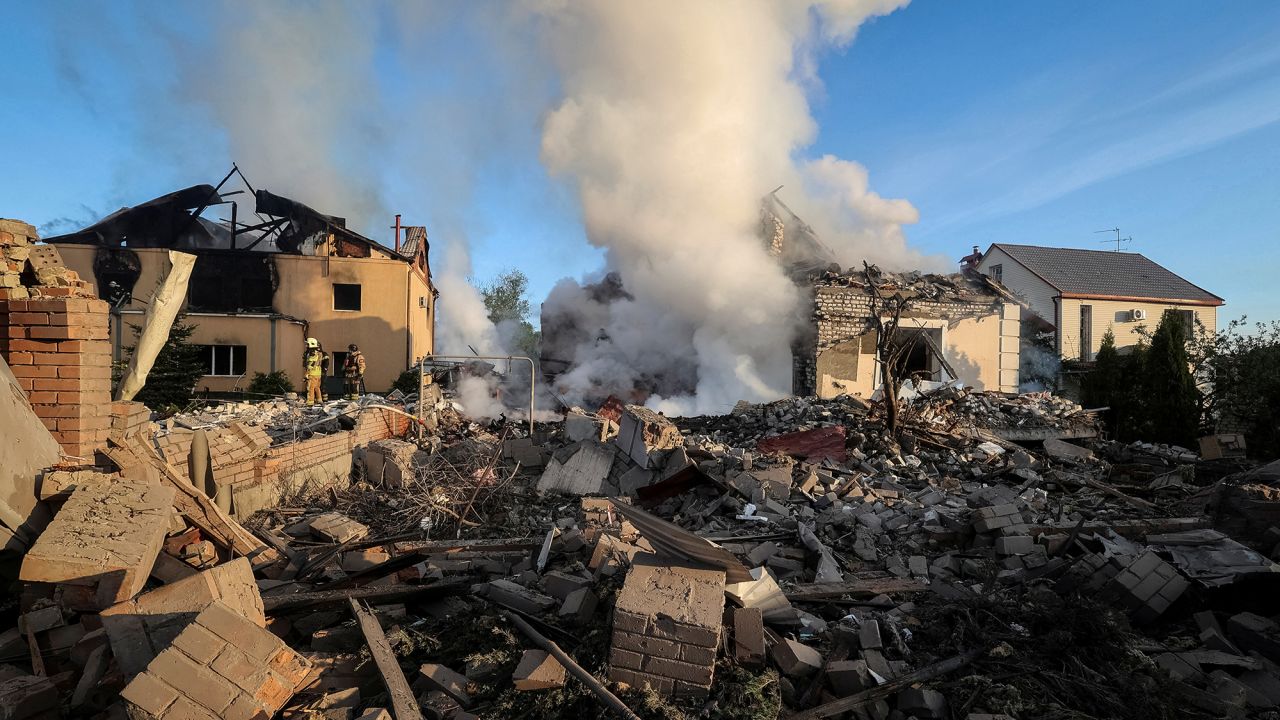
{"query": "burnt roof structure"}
pixel 281 224
pixel 1104 274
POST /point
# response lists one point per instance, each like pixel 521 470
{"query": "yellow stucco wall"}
pixel 1114 315
pixel 983 350
pixel 393 327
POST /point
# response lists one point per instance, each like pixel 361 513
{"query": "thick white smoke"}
pixel 671 120
pixel 677 119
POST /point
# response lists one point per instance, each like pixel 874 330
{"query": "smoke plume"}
pixel 676 120
pixel 670 120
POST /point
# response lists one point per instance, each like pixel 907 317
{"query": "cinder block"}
pixel 748 636
pixel 538 671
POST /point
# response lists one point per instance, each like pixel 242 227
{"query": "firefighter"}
pixel 353 373
pixel 314 364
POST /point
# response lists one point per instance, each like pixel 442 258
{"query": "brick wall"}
pixel 53 334
pixel 58 351
pixel 260 481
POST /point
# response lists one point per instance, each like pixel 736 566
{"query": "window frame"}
pixel 359 297
pixel 996 272
pixel 212 360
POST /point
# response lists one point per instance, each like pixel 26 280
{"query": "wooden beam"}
pixel 856 588
pixel 857 700
pixel 404 705
pixel 390 593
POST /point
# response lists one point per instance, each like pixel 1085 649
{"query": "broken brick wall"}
pixel 980 339
pixel 58 351
pixel 263 480
pixel 53 334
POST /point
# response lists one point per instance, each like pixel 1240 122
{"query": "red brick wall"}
pixel 59 352
pixel 373 424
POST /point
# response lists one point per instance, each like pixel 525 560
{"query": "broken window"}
pixel 116 271
pixel 918 359
pixel 224 360
pixel 231 282
pixel 346 296
pixel 996 272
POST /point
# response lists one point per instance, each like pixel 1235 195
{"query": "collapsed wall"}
pixel 53 334
pixel 254 474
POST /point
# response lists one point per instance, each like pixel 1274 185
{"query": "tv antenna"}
pixel 1118 239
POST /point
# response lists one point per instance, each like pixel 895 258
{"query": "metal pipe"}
pixel 533 373
pixel 397 232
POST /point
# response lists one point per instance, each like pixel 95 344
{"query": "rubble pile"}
pixel 913 284
pixel 791 559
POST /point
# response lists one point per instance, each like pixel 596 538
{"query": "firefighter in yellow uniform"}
pixel 353 373
pixel 314 362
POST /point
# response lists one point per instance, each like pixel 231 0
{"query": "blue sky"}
pixel 1000 121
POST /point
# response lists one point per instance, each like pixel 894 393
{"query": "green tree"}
pixel 504 298
pixel 178 367
pixel 1171 402
pixel 1112 383
pixel 1240 374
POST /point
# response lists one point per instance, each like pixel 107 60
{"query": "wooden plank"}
pixel 390 593
pixel 404 705
pixel 856 588
pixel 428 547
pixel 857 700
pixel 204 514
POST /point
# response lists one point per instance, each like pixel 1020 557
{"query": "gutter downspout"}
pixel 408 296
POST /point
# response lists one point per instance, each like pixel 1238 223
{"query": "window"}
pixel 1187 318
pixel 1086 332
pixel 339 359
pixel 996 272
pixel 223 360
pixel 346 296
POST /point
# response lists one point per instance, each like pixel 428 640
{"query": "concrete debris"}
pixel 538 671
pixel 794 556
pixel 102 543
pixel 644 436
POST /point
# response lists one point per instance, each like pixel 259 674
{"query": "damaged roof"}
pixel 955 287
pixel 1106 274
pixel 280 224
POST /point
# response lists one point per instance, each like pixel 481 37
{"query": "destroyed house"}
pixel 260 288
pixel 1081 294
pixel 955 327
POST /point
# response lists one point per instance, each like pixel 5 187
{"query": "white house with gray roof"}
pixel 1081 294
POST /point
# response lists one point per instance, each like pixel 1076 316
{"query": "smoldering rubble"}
pixel 941 552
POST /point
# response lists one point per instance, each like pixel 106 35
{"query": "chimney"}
pixel 398 233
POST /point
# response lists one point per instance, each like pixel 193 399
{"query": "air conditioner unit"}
pixel 1137 314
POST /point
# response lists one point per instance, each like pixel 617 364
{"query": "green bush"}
pixel 274 383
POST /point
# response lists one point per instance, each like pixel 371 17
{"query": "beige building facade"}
pixel 384 304
pixel 1081 294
